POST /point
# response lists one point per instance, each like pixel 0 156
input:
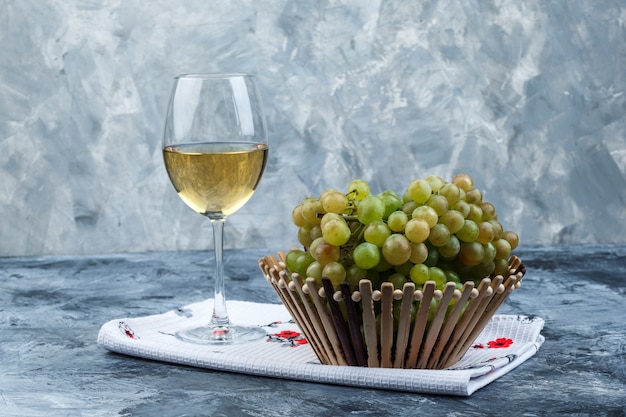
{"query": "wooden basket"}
pixel 343 329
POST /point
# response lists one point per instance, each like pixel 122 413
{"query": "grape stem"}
pixel 355 238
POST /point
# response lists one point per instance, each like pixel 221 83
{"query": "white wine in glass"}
pixel 215 149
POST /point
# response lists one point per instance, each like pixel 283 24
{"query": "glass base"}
pixel 221 335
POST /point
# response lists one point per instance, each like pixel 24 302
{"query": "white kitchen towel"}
pixel 506 342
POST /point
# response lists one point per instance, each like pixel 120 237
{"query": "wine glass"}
pixel 215 149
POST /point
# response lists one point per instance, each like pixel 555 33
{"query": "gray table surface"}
pixel 51 309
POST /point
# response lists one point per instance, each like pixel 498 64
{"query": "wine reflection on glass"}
pixel 215 148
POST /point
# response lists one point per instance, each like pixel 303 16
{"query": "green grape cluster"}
pixel 435 231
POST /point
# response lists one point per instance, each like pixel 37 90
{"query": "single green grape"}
pixel 503 249
pixel 359 189
pixel 451 192
pixel 462 191
pixel 366 255
pixel 417 230
pixel 489 211
pixel 376 232
pixel 501 267
pixel 439 235
pixel 336 232
pixel 316 243
pixel 334 271
pixel 438 203
pixel 436 274
pixel 370 209
pixel 419 274
pixel 396 249
pixel 312 210
pixel 326 253
pixel 301 264
pixel 451 249
pixel 406 197
pixel 469 231
pixel 296 216
pixel 391 201
pixel 326 192
pixel 420 191
pixel 426 213
pixel 485 232
pixel 397 221
pixel 354 275
pixel 334 202
pixel 314 270
pixel 471 253
pixel 498 232
pixel 464 182
pixel 453 219
pixel 304 235
pixel 452 276
pixel 316 231
pixel 512 238
pixel 409 207
pixel 435 182
pixel 475 213
pixel 433 256
pixel 419 253
pixel 397 279
pixel 490 252
pixel 474 196
pixel 328 217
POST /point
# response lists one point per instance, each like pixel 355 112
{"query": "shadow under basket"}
pixel 390 328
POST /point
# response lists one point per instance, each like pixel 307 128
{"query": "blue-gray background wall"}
pixel 525 95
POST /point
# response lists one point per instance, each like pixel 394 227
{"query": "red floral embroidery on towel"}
pixel 289 337
pixel 501 342
pixel 287 334
pixel 125 328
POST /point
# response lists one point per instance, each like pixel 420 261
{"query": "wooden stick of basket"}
pixel 390 328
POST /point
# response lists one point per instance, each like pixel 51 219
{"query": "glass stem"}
pixel 220 315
